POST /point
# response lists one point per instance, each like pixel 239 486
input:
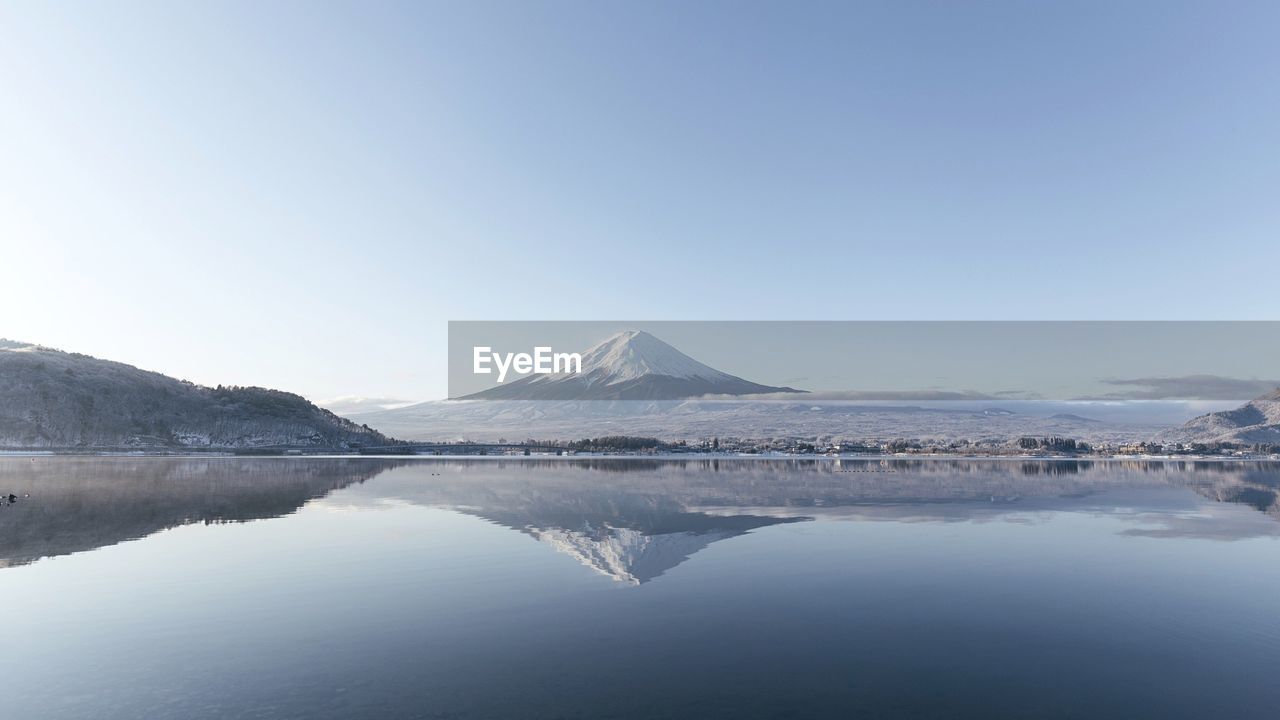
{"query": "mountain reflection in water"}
pixel 627 588
pixel 629 519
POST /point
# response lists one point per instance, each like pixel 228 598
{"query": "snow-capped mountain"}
pixel 1257 421
pixel 631 365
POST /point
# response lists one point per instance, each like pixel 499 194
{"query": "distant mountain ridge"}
pixel 1255 422
pixel 59 400
pixel 631 365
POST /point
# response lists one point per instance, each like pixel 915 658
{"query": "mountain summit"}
pixel 631 365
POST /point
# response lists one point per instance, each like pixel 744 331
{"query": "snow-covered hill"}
pixel 53 399
pixel 1257 421
pixel 631 365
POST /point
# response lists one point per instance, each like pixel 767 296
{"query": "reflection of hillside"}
pixel 630 539
pixel 80 504
pixel 632 556
pixel 1257 486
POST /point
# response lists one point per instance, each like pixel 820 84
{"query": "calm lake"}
pixel 630 588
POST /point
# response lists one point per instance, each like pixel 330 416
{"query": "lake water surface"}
pixel 629 588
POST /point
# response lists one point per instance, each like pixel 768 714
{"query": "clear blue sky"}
pixel 300 195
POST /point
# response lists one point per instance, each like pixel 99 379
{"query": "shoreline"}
pixel 34 454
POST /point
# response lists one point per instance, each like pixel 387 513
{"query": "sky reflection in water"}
pixel 361 587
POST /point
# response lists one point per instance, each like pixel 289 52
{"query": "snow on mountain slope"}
pixel 1257 421
pixel 50 399
pixel 631 365
pixel 634 354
